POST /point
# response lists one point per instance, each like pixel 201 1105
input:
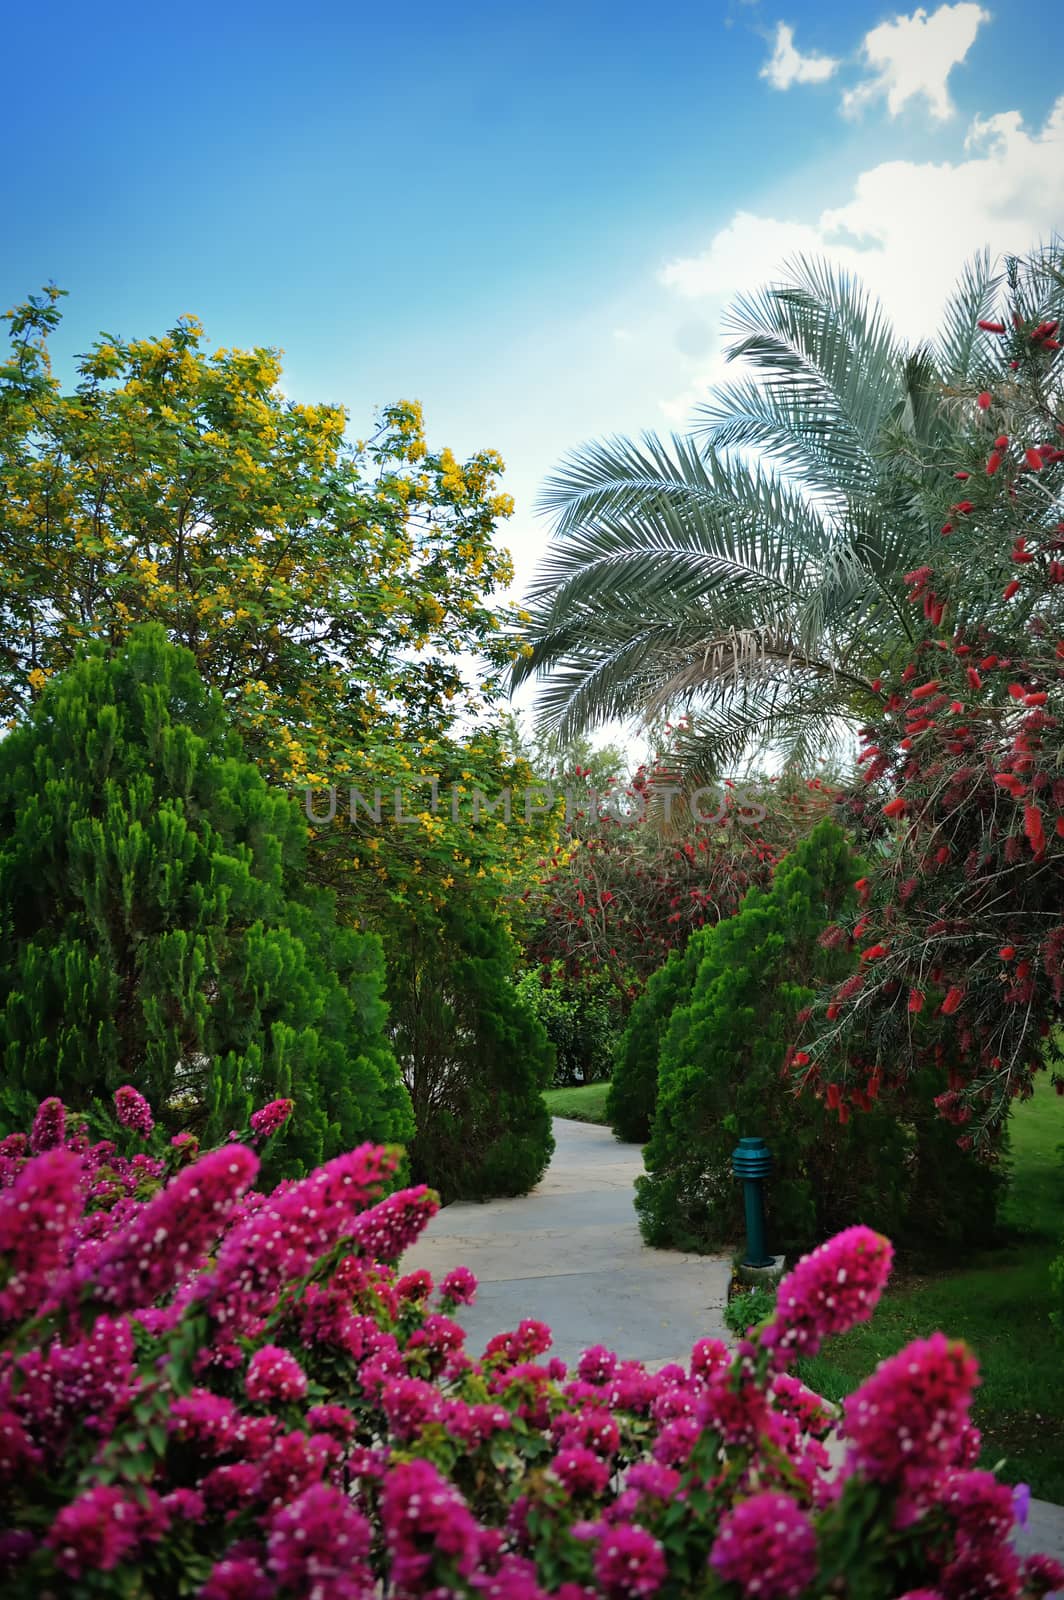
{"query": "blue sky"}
pixel 530 217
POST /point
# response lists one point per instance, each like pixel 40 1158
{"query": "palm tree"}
pixel 748 575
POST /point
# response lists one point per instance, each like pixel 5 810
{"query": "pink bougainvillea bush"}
pixel 210 1391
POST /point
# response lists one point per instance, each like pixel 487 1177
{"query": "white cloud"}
pixel 914 56
pixel 747 251
pixel 786 65
pixel 906 229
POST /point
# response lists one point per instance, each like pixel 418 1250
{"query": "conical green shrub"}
pixel 156 929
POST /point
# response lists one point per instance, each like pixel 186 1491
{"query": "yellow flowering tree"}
pixel 338 597
pixel 328 591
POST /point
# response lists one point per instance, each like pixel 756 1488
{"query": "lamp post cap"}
pixel 751 1158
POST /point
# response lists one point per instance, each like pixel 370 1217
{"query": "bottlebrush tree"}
pixel 961 924
pixel 215 1391
pixel 635 876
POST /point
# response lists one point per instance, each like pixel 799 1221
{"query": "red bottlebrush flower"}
pixel 1056 572
pixel 832 1012
pixel 947 529
pixel 1033 459
pixel 993 462
pixel 956 708
pixel 1010 589
pixel 962 476
pixel 963 507
pixel 834 1096
pixel 895 807
pixel 942 854
pixel 1033 828
pixel 916 1001
pixel 1036 699
pixel 985 400
pixel 1001 442
pixel 974 680
pixel 1020 552
pixel 877 684
pixel 992 327
pixel 801 1058
pixel 926 689
pixel 874 952
pixel 953 1000
pixel 1017 691
pixel 1059 825
pixel 988 662
pixel 1007 952
pixel 862 887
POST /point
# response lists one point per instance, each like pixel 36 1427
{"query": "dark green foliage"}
pixel 721 1076
pixel 953 1196
pixel 581 1019
pixel 634 1086
pixel 474 1058
pixel 155 927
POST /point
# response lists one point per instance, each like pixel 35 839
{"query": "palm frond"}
pixel 961 350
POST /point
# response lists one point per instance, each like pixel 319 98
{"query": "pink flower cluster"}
pixel 38 1214
pixel 133 1111
pixel 271 1118
pixel 832 1289
pixel 247 1376
pixel 49 1126
pixel 170 1235
pixel 272 1375
pixel 281 1239
pixel 912 1413
pixel 767 1545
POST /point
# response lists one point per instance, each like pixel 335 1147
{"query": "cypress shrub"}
pixel 475 1059
pixel 720 1075
pixel 155 927
pixel 633 1088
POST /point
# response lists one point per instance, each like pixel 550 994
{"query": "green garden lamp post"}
pixel 752 1162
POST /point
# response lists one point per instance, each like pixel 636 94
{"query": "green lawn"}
pixel 587 1103
pixel 998 1302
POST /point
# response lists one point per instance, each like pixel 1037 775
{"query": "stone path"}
pixel 570 1255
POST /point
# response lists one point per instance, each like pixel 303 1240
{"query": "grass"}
pixel 999 1302
pixel 585 1103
